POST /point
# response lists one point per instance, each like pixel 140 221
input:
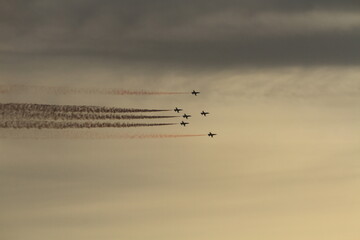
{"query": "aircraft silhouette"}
pixel 204 113
pixel 177 110
pixel 186 116
pixel 195 92
pixel 184 123
pixel 211 134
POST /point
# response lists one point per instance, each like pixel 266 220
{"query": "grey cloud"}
pixel 184 33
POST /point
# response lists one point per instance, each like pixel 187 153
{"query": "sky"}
pixel 280 79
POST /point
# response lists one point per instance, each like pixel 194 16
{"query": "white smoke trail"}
pixel 65 125
pixel 21 107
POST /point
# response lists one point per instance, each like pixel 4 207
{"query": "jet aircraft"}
pixel 186 116
pixel 204 113
pixel 195 92
pixel 177 110
pixel 184 123
pixel 211 134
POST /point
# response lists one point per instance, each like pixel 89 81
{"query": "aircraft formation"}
pixel 52 116
pixel 186 116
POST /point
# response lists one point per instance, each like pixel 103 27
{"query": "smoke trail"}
pixel 64 125
pixel 69 90
pixel 83 134
pixel 72 116
pixel 4 89
pixel 16 107
pixel 155 136
pixel 129 136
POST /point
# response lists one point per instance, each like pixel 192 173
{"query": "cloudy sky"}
pixel 280 78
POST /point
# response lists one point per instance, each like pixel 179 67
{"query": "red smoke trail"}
pixel 64 125
pixel 4 89
pixel 143 136
pixel 82 134
pixel 92 135
pixel 21 107
pixel 69 90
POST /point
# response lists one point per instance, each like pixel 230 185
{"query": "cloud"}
pixel 330 84
pixel 204 34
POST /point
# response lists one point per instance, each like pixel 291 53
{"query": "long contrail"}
pixel 17 107
pixel 69 90
pixel 65 125
pixel 83 134
pixel 15 115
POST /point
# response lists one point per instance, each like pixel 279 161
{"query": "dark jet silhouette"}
pixel 204 113
pixel 177 110
pixel 186 116
pixel 195 92
pixel 211 134
pixel 184 123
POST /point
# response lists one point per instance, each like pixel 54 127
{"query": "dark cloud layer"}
pixel 185 33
